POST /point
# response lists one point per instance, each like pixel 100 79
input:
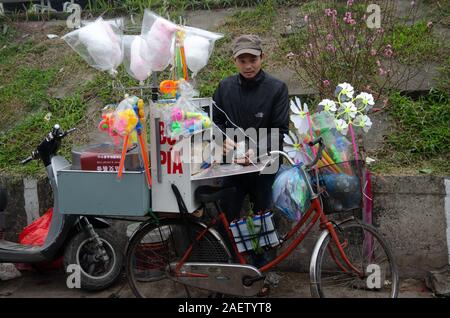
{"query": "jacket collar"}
pixel 255 81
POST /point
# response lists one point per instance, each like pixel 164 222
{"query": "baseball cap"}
pixel 247 44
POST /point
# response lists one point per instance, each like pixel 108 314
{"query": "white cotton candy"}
pixel 99 45
pixel 197 50
pixel 138 66
pixel 135 65
pixel 159 41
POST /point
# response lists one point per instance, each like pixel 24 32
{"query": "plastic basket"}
pixel 264 233
pixel 340 186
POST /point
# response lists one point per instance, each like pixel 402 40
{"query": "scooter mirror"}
pixel 3 199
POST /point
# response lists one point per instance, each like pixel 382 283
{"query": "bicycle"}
pixel 176 257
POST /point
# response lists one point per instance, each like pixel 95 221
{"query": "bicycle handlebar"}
pixel 319 152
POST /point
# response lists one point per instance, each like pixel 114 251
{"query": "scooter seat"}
pixel 207 194
pixel 11 246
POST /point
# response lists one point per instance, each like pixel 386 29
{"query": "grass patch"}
pixel 17 143
pixel 421 139
pixel 258 20
pixel 29 87
pixel 415 43
pixel 220 67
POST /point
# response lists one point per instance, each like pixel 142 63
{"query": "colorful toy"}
pixel 176 127
pixel 125 122
pixel 169 88
pixel 128 118
pixel 107 125
pixel 177 114
pixel 193 125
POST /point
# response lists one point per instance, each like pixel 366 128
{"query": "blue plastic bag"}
pixel 290 193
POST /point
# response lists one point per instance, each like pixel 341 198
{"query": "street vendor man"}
pixel 250 99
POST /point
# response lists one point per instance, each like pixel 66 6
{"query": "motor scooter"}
pixel 86 241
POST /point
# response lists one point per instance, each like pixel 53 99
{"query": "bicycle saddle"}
pixel 207 194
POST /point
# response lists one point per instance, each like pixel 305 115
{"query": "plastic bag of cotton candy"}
pixel 199 45
pixel 99 44
pixel 136 66
pixel 159 35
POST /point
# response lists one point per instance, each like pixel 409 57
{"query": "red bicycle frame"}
pixel 315 211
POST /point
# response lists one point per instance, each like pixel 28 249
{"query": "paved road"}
pixel 53 285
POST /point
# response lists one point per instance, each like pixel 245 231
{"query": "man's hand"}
pixel 247 159
pixel 228 146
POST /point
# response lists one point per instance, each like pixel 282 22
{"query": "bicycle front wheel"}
pixel 154 247
pixel 367 250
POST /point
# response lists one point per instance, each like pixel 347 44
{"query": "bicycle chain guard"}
pixel 219 277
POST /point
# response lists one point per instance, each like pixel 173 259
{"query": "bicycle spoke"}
pixel 363 248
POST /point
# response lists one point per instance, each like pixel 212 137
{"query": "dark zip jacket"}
pixel 262 102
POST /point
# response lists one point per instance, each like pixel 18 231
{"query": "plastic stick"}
pixel 310 131
pixel 352 133
pixel 368 206
pixel 124 154
pixel 183 62
pixel 334 167
pixel 143 122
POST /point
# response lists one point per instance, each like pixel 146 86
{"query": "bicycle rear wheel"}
pixel 368 252
pixel 154 247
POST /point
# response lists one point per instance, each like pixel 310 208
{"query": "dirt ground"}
pixel 52 284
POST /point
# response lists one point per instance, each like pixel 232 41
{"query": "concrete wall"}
pixel 409 212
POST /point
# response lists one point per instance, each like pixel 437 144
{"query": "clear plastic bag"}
pixel 158 33
pixel 198 45
pixel 184 118
pixel 136 66
pixel 290 193
pixel 99 44
pixel 125 117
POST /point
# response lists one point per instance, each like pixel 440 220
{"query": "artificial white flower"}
pixel 341 126
pixel 293 147
pixel 347 111
pixel 328 106
pixel 364 101
pixel 363 121
pixel 299 118
pixel 345 91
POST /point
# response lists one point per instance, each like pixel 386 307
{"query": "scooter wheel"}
pixel 95 273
